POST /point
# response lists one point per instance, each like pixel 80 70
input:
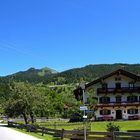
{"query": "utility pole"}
pixel 82 85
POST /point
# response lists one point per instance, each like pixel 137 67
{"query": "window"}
pixel 118 78
pixel 132 111
pixel 104 86
pixel 104 99
pixel 105 112
pixel 118 85
pixel 118 99
pixel 131 85
pixel 132 98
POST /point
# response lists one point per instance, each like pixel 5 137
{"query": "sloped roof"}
pixel 117 72
pixel 78 91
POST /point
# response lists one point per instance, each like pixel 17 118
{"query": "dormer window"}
pixel 118 78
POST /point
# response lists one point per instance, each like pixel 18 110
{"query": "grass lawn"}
pixel 95 126
pixel 124 125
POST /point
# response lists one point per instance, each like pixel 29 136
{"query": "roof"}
pixel 78 91
pixel 117 72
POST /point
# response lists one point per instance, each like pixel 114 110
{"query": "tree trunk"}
pixel 25 118
pixel 32 117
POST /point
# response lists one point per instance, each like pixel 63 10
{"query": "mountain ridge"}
pixel 88 73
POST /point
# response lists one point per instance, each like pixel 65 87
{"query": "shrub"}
pixel 111 127
pixel 76 117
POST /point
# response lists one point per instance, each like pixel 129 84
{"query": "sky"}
pixel 66 34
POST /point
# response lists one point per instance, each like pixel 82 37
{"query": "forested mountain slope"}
pixel 88 73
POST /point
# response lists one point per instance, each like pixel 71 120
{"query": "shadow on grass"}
pixel 55 138
pixel 3 125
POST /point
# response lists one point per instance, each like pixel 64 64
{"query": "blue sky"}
pixel 65 34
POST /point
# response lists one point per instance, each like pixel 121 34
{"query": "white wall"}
pixel 111 84
pixel 113 112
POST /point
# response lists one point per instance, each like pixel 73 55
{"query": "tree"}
pixel 24 101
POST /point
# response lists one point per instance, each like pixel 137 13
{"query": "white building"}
pixel 117 95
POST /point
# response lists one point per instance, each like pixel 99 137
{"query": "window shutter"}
pixel 108 99
pixel 101 112
pixel 136 98
pixel 128 98
pixel 109 112
pixel 128 111
pixel 136 111
pixel 100 99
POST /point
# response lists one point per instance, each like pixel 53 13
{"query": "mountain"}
pixel 32 75
pixel 87 73
pixel 92 72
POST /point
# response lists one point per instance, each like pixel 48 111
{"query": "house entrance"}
pixel 118 114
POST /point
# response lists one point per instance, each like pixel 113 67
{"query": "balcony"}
pixel 118 104
pixel 118 90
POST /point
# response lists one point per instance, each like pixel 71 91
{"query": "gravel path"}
pixel 10 134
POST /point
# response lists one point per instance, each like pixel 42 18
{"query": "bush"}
pixel 76 117
pixel 111 127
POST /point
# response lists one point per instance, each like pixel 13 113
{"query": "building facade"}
pixel 117 96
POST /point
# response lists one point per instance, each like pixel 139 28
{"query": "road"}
pixel 10 134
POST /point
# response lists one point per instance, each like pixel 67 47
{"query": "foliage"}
pixel 87 73
pixel 112 127
pixel 32 75
pixel 76 117
pixel 24 101
pixel 38 100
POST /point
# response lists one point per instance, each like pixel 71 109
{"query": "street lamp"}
pixel 82 85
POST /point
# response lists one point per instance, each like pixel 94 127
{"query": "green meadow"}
pixel 95 126
pixel 124 125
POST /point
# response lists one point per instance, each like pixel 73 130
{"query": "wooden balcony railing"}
pixel 118 90
pixel 123 103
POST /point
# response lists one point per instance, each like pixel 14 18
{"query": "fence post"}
pixel 42 131
pixel 113 136
pixel 55 125
pixel 8 123
pixel 62 135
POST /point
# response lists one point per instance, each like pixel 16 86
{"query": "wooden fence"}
pixel 78 134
